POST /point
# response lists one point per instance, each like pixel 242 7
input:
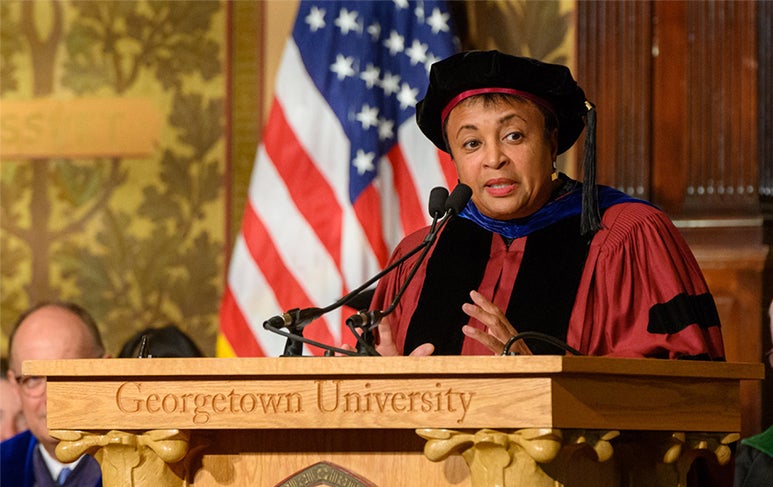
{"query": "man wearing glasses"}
pixel 51 330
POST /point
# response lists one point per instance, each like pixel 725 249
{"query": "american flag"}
pixel 342 172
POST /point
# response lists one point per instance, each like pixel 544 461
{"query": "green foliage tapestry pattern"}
pixel 138 242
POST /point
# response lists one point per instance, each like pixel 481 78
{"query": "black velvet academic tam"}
pixel 474 70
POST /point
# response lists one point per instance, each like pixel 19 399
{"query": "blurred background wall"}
pixel 129 130
pixel 113 152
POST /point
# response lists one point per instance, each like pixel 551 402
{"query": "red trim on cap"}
pixel 481 91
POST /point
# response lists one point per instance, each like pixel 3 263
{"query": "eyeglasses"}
pixel 31 385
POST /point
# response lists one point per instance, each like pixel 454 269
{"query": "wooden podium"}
pixel 394 421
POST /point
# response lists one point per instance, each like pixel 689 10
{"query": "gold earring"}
pixel 554 175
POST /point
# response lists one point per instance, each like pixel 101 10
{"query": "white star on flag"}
pixel 368 116
pixel 316 19
pixel 417 52
pixel 395 43
pixel 364 161
pixel 343 66
pixel 438 21
pixel 347 21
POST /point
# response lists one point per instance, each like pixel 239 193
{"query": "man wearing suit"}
pixel 51 330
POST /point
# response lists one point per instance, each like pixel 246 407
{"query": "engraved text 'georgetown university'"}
pixel 328 397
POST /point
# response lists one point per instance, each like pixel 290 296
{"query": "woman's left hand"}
pixel 386 345
pixel 499 330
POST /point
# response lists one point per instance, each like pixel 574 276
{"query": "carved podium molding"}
pixel 495 458
pixel 159 457
pixel 430 421
pixel 522 458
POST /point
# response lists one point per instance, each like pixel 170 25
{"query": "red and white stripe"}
pixel 302 242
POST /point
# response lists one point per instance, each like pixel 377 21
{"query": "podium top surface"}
pixel 298 367
pixel 393 392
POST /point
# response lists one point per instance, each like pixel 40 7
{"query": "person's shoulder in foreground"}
pixel 754 456
pixel 754 461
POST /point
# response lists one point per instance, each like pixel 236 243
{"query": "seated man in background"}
pixel 51 330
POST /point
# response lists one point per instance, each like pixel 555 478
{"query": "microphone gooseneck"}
pixel 369 320
pixel 296 319
pixel 454 204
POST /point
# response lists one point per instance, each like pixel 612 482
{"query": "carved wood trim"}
pixel 538 457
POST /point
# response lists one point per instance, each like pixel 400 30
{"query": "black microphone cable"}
pixel 295 341
pixel 544 337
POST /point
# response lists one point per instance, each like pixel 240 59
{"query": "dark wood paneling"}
pixel 765 101
pixel 670 89
pixel 765 151
pixel 676 86
pixel 721 76
pixel 615 70
pixel 734 275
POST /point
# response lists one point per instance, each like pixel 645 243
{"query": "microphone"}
pixel 437 204
pixel 368 320
pixel 458 199
pixel 295 320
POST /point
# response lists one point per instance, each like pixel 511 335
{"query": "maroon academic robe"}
pixel 638 268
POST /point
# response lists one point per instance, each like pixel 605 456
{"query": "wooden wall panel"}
pixel 615 70
pixel 676 88
pixel 764 17
pixel 734 275
pixel 721 75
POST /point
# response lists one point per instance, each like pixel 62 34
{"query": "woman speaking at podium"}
pixel 536 262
